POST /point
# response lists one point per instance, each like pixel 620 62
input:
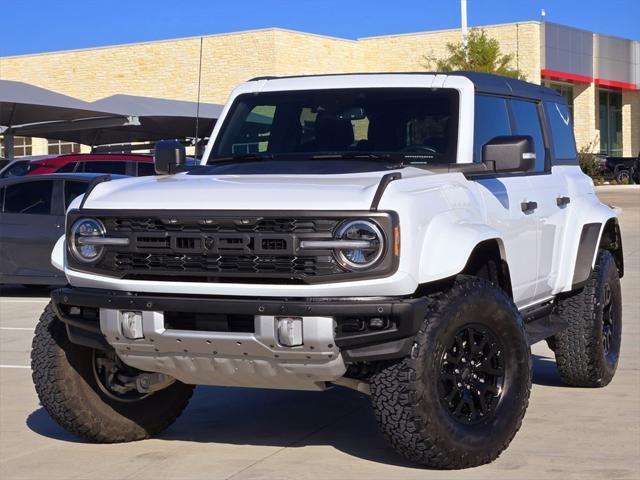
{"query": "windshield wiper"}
pixel 388 157
pixel 241 157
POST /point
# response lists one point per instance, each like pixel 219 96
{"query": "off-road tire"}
pixel 580 352
pixel 405 397
pixel 67 388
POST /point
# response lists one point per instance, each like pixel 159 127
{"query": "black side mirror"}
pixel 512 153
pixel 168 156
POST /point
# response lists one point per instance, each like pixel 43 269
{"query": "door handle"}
pixel 563 201
pixel 528 207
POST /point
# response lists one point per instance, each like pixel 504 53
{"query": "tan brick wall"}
pixel 408 52
pixel 169 69
pixel 584 117
pixel 630 123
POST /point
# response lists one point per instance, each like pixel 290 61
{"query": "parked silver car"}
pixel 32 212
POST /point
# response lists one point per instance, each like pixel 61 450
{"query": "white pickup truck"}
pixel 405 235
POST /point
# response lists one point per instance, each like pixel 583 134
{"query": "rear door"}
pixel 32 222
pixel 504 195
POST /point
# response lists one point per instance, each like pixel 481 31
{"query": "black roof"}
pixel 484 83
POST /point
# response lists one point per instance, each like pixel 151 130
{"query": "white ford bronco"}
pixel 406 235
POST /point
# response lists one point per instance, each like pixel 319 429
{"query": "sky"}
pixel 32 26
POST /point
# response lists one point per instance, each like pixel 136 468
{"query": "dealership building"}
pixel 598 74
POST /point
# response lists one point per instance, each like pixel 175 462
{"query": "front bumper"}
pixel 243 358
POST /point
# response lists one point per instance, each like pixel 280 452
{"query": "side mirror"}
pixel 513 153
pixel 168 156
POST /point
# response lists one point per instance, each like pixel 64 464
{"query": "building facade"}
pixel 598 74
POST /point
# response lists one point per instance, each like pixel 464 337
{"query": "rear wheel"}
pixel 587 351
pixel 460 397
pixel 92 394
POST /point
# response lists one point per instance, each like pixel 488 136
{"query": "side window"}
pixel 33 197
pixel 563 142
pixel 106 166
pixel 491 120
pixel 145 169
pixel 68 168
pixel 527 122
pixel 72 190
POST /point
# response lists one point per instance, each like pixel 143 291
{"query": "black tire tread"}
pixel 578 358
pixel 74 404
pixel 396 400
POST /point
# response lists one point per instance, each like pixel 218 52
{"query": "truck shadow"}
pixel 339 417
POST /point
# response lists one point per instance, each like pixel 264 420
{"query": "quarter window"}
pixel 491 120
pixel 563 143
pixel 527 122
pixel 33 198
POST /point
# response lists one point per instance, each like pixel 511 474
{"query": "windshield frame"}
pixel 395 157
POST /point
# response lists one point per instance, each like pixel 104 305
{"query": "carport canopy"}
pixel 30 111
pixel 158 119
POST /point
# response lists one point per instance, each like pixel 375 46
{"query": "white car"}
pixel 406 235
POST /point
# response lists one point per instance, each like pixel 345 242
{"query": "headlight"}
pixel 84 242
pixel 371 238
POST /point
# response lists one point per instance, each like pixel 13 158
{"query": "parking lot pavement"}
pixel 568 433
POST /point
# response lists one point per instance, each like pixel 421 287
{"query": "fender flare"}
pixel 443 256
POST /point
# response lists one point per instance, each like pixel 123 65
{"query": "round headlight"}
pixel 361 257
pixel 80 244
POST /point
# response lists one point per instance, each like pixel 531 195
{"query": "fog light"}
pixel 131 323
pixel 289 331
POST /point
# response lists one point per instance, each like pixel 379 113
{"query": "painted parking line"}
pixel 16 366
pixel 26 329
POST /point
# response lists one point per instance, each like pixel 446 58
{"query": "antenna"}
pixel 465 30
pixel 197 140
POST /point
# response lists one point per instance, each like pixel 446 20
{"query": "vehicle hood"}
pixel 242 192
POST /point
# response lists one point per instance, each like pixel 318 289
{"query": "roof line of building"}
pixel 288 30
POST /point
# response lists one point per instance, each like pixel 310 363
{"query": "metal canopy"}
pixel 21 103
pixel 148 119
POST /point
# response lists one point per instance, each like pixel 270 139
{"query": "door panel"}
pixel 503 198
pixel 551 217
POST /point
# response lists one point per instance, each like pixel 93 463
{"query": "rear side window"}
pixel 491 120
pixel 527 122
pixel 32 198
pixel 563 143
pixel 145 169
pixel 72 190
pixel 106 166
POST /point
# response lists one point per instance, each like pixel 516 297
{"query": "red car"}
pixel 121 164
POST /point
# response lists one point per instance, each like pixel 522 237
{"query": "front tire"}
pixel 458 400
pixel 70 390
pixel 587 351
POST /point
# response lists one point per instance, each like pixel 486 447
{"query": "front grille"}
pixel 228 246
pixel 211 265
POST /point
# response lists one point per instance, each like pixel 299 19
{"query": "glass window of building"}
pixel 21 147
pixel 610 110
pixel 59 147
pixel 566 90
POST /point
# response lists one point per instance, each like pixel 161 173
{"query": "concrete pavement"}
pixel 568 433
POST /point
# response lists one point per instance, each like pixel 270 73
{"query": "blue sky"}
pixel 29 26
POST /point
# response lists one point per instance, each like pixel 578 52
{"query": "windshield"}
pixel 395 125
